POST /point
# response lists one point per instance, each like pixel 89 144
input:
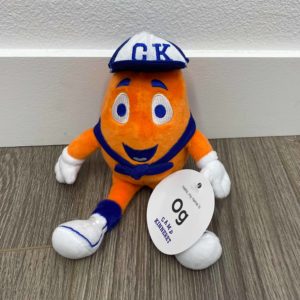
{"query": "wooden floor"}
pixel 258 225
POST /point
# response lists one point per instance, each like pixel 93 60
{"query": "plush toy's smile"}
pixel 140 155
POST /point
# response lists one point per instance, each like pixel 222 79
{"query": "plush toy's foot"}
pixel 79 238
pixel 205 252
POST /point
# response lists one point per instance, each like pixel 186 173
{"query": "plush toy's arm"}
pixel 73 156
pixel 207 160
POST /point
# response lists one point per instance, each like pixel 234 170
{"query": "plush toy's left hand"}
pixel 215 172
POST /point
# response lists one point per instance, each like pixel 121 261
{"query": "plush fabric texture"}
pixel 147 52
pixel 140 131
pixel 67 167
pixel 79 238
pixel 111 211
pixel 205 252
pixel 215 172
pixel 145 132
pixel 84 145
pixel 159 166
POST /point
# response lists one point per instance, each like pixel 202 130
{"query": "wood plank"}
pixel 258 226
pixel 289 155
pixel 33 203
pixel 257 192
pixel 34 274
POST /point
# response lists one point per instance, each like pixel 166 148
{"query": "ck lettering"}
pixel 140 51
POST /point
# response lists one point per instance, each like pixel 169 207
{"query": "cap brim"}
pixel 145 66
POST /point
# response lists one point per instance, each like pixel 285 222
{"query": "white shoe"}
pixel 205 252
pixel 79 238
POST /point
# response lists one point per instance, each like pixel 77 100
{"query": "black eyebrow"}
pixel 124 82
pixel 158 83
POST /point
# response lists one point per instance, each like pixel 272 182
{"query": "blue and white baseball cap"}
pixel 147 52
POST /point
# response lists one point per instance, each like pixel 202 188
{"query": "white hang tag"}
pixel 179 211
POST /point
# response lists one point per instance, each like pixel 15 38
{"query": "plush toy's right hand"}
pixel 67 168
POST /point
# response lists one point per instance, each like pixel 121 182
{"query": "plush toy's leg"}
pixel 80 238
pixel 122 192
pixel 205 252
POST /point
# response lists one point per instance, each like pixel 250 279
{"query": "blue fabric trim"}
pixel 124 82
pixel 183 140
pixel 111 211
pixel 146 153
pixel 145 66
pixel 158 83
pixel 81 235
pixel 138 171
pixel 158 167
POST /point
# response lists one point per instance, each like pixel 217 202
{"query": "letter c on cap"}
pixel 139 45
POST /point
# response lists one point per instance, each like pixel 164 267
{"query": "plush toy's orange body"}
pixel 140 132
pixel 145 133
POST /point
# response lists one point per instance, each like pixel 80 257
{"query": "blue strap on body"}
pixel 137 171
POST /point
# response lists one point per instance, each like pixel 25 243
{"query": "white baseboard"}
pixel 49 96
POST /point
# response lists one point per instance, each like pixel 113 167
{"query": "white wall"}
pixel 51 100
pixel 243 78
pixel 193 24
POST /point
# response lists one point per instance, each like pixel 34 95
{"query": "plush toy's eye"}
pixel 120 109
pixel 162 111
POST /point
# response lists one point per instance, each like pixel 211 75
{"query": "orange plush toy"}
pixel 146 132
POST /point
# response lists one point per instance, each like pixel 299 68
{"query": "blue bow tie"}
pixel 137 171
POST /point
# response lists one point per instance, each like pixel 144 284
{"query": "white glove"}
pixel 215 172
pixel 67 168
